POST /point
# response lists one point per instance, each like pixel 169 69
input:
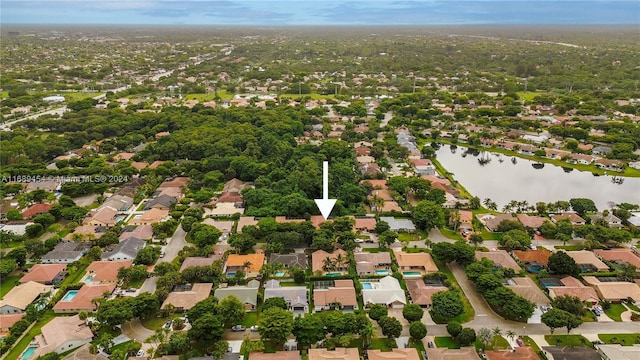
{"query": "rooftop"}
pixel 24 294
pixel 337 354
pixel 43 273
pixel 187 299
pixel 107 271
pixel 622 255
pixel 394 354
pixel 499 257
pixel 256 260
pixel 585 257
pixel 82 300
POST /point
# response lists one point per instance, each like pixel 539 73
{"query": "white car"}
pixel 140 353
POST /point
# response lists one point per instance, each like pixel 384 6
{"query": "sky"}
pixel 320 12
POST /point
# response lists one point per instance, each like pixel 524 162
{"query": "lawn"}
pixel 469 313
pixel 381 344
pixel 615 311
pixel 446 342
pixel 529 342
pixel 589 317
pixel 622 339
pixel 7 284
pixel 75 276
pixel 20 346
pixel 418 345
pixel 402 237
pixel 633 307
pixel 250 319
pixel 527 95
pixel 451 234
pixel 567 340
pixel 154 322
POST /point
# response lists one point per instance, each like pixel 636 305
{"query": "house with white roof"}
pixel 386 291
pixel 294 296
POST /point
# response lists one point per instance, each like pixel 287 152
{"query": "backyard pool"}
pixel 281 273
pixel 88 279
pixel 231 274
pixel 27 354
pixel 411 273
pixel 546 282
pixel 535 268
pixel 367 285
pixel 333 274
pixel 70 295
pixel 382 272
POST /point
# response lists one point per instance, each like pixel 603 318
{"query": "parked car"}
pixel 254 328
pixel 167 325
pixel 140 353
pixel 359 240
pixel 238 328
pixel 131 290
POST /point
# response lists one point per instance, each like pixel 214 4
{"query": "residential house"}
pixel 533 222
pixel 47 274
pixel 35 209
pixel 324 262
pixel 247 294
pixel 294 296
pixel 386 291
pixel 118 202
pixel 618 352
pixel 178 182
pixel 528 289
pixel 85 232
pixel 500 259
pixel 373 263
pixel 19 228
pixel 421 293
pixel 399 225
pixel 415 264
pixel 19 297
pixel 62 334
pixel 611 219
pixel 66 252
pixel 622 255
pixel 491 221
pixel 140 232
pixel 539 256
pixel 609 164
pixel 443 353
pixel 575 219
pixel 245 221
pixel 225 227
pixel 518 353
pixel 193 261
pixel 334 294
pixel 466 219
pixel 278 355
pixel 125 250
pixel 394 354
pixel 162 202
pixel 581 159
pixel 615 291
pixel 423 167
pixel 587 261
pixel 290 260
pixel 336 354
pixel 77 300
pixel 123 156
pixel 184 297
pixel 234 185
pixel 104 217
pixel 104 272
pixel 150 217
pixel 601 150
pixel 366 225
pixel 250 264
pixel 570 286
pixel 7 321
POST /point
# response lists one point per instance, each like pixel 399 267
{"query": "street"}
pixel 174 245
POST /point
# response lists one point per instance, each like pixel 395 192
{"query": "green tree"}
pixel 417 330
pixel 206 329
pixel 145 305
pixel 454 328
pixel 446 306
pixel 275 324
pixel 231 309
pixel 570 304
pixel 308 330
pixel 147 255
pixel 555 318
pixel 485 336
pixel 476 239
pixel 13 214
pixel 466 337
pixel 563 264
pixel 7 266
pixel 242 242
pixel 278 302
pixel 412 312
pixel 19 255
pixel 377 311
pixel 428 215
pixel 115 312
pixel 391 327
pixel 582 205
pixel 298 274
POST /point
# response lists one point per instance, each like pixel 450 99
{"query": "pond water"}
pixel 520 179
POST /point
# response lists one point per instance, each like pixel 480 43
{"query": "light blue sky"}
pixel 319 12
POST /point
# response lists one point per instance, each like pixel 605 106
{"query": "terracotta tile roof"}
pixel 466 216
pixel 499 257
pixel 244 221
pixel 123 156
pixel 533 222
pixel 230 197
pixel 197 261
pixel 36 209
pixel 256 260
pixel 187 299
pixel 142 232
pixel 342 292
pixel 421 293
pixel 614 290
pixel 316 220
pixel 107 271
pixel 573 217
pixel 540 256
pixel 368 224
pixel 587 258
pixel 82 300
pixel 394 354
pixel 177 182
pixel 416 260
pixel 624 255
pixel 384 194
pixel 381 184
pixel 573 287
pixel 43 273
pixel 150 216
pixel 466 353
pixel 527 288
pixel 8 320
pixel 278 355
pixel 317 258
pixel 337 354
pixel 520 353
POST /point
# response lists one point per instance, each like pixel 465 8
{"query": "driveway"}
pixel 174 245
pixel 134 330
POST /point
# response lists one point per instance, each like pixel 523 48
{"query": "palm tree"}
pixel 485 336
pixel 511 335
pixel 496 332
pixel 367 333
pixel 246 265
pixel 378 202
pixel 328 264
pixel 340 261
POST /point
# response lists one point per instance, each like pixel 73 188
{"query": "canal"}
pixel 502 179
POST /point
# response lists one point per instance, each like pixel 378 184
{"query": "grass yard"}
pixel 154 322
pixel 451 234
pixel 567 340
pixel 529 342
pixel 633 307
pixel 622 339
pixel 589 317
pixel 75 276
pixel 402 237
pixel 371 250
pixel 418 345
pixel 615 311
pixel 469 313
pixel 527 95
pixel 446 342
pixel 250 319
pixel 21 345
pixel 381 344
pixel 8 283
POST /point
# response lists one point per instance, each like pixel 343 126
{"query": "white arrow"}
pixel 325 204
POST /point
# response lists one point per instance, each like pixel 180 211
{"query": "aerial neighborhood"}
pixel 171 215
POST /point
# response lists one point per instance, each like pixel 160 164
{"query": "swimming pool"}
pixel 411 273
pixel 281 273
pixel 367 285
pixel 231 274
pixel 88 279
pixel 535 268
pixel 333 274
pixel 70 295
pixel 27 354
pixel 382 272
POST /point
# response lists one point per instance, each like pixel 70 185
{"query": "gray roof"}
pixel 293 295
pixel 118 202
pixel 67 250
pixel 398 224
pixel 289 260
pixel 247 294
pixel 163 200
pixel 128 247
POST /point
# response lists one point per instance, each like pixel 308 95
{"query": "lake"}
pixel 520 180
